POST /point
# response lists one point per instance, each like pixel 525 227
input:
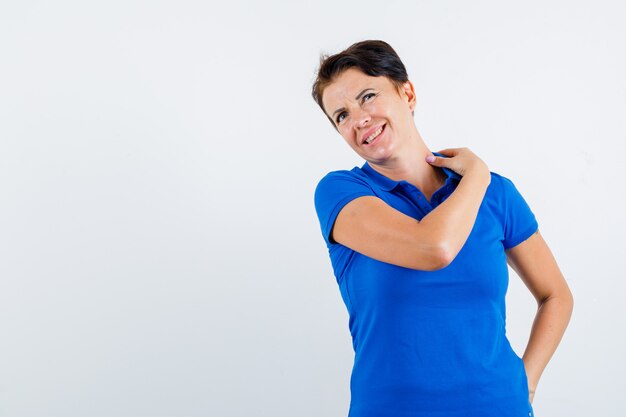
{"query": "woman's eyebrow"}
pixel 361 93
pixel 358 96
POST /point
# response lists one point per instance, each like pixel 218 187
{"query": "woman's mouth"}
pixel 371 138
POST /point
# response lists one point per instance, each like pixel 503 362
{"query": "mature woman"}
pixel 419 242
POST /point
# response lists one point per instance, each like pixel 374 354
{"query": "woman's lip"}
pixel 377 137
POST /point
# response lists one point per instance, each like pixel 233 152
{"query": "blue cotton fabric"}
pixel 430 343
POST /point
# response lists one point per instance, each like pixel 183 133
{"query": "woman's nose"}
pixel 361 118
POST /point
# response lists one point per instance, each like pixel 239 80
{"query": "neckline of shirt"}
pixel 388 184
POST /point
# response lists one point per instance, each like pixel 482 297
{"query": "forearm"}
pixel 552 318
pixel 451 222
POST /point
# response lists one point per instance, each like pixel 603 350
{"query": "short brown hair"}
pixel 373 57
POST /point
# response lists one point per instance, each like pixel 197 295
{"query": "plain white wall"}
pixel 160 253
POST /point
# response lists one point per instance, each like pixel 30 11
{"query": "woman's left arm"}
pixel 534 263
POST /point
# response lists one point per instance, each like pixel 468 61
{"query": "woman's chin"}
pixel 382 152
pixel 378 157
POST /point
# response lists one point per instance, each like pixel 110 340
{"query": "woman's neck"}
pixel 410 165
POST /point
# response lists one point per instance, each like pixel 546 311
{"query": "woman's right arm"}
pixel 370 226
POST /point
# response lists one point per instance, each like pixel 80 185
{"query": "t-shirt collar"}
pixel 388 184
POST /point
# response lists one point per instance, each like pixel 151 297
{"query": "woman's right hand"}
pixel 372 227
pixel 462 161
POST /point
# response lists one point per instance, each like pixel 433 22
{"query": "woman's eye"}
pixel 341 117
pixel 368 96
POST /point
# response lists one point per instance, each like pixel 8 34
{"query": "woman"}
pixel 419 242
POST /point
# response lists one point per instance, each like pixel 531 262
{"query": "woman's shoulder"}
pixel 355 174
pixel 337 184
pixel 497 176
pixel 500 179
pixel 501 187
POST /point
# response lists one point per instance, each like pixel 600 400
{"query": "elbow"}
pixel 570 301
pixel 564 298
pixel 442 257
pixel 428 255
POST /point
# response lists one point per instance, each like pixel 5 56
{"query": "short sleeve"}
pixel 519 220
pixel 332 193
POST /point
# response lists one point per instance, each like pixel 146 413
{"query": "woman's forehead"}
pixel 348 84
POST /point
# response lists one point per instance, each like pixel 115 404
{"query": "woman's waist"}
pixel 439 370
pixel 439 390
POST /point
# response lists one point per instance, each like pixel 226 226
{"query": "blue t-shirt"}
pixel 430 343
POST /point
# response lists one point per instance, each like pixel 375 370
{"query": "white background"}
pixel 159 250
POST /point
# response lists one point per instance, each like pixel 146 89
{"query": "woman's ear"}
pixel 407 92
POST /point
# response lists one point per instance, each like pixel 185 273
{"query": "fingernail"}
pixel 430 158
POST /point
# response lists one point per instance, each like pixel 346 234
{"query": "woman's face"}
pixel 370 113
